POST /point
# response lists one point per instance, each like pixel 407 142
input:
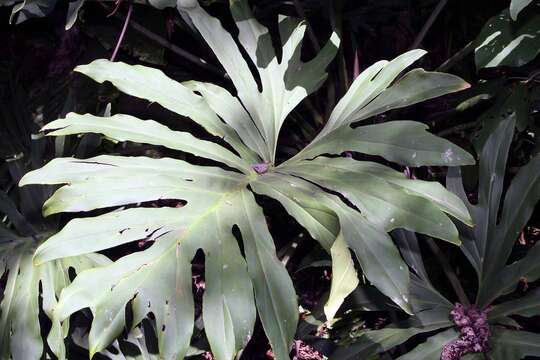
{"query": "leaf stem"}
pixel 457 57
pixel 440 6
pixel 450 274
pixel 123 33
pixel 168 45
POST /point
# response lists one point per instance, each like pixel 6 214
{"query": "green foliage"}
pixel 495 277
pixel 27 9
pixel 29 289
pixel 488 248
pixel 218 200
pixel 509 40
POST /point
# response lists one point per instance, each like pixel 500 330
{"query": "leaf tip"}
pixel 36 261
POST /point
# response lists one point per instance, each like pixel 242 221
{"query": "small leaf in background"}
pixel 516 6
pixel 503 42
pixel 509 101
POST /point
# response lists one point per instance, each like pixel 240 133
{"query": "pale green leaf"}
pixel 378 256
pixel 386 198
pixel 366 87
pixel 20 334
pixel 233 113
pixel 20 330
pixel 86 235
pixel 415 86
pixel 108 289
pixel 274 291
pixel 128 128
pixel 302 203
pixel 344 277
pixel 377 341
pixel 228 304
pixel 403 142
pixel 285 82
pixel 153 85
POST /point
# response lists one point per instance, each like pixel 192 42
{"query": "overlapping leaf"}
pixel 376 91
pixel 489 247
pixel 213 202
pixel 205 222
pixel 20 331
pixel 504 42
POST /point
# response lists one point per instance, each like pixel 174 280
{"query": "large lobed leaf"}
pixel 377 90
pixel 20 332
pixel 494 236
pixel 215 201
pixel 205 222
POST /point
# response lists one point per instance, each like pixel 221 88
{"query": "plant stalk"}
pixel 449 272
pixel 440 6
pixel 123 33
pixel 457 57
pixel 168 45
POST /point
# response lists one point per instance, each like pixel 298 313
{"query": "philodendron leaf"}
pixel 432 347
pixel 377 255
pixel 403 142
pixel 215 208
pixel 373 93
pixel 20 336
pixel 492 167
pixel 285 82
pixel 504 42
pixel 153 85
pixel 205 222
pixel 128 128
pixel 513 345
pixel 495 232
pixel 528 305
pixel 373 342
pixel 20 333
pixel 387 198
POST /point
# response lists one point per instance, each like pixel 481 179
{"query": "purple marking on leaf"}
pixel 474 332
pixel 260 168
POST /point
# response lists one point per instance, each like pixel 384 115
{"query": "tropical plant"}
pixel 30 290
pixel 511 37
pixel 488 248
pixel 342 202
pixel 23 10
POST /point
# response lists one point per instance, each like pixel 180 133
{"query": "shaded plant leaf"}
pixel 514 345
pixel 504 42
